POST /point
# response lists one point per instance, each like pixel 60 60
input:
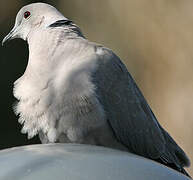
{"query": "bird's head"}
pixel 30 17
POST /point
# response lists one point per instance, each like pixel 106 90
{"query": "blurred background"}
pixel 153 38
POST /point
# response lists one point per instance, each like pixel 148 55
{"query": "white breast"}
pixel 62 102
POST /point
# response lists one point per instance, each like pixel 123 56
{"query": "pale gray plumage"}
pixel 77 91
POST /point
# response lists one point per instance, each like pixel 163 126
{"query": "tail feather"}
pixel 174 157
pixel 176 154
pixel 173 166
pixel 185 172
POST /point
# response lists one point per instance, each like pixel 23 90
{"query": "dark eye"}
pixel 26 14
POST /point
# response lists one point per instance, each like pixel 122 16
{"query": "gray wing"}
pixel 129 115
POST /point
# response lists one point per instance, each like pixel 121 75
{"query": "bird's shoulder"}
pixel 107 61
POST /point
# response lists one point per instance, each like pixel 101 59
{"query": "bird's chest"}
pixel 70 114
pixel 61 103
pixel 33 106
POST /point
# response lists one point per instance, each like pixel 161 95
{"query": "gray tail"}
pixel 174 156
pixel 185 173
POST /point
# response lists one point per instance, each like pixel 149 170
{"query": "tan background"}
pixel 153 37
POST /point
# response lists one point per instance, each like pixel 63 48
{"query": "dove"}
pixel 77 91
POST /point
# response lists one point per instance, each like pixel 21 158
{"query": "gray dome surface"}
pixel 79 162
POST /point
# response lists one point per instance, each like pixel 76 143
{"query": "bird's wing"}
pixel 128 113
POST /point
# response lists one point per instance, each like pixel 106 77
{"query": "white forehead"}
pixel 38 9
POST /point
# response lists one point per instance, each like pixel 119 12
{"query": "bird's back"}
pixel 130 117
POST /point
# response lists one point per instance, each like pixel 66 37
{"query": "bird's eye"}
pixel 26 14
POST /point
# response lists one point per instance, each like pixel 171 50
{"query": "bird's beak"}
pixel 11 35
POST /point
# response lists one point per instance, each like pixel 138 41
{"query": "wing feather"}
pixel 128 113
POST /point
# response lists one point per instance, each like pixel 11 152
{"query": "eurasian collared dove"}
pixel 77 91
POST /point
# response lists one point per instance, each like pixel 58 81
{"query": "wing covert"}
pixel 128 113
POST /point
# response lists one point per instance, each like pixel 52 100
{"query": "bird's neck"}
pixel 47 46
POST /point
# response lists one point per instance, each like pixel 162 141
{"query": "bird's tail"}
pixel 174 156
pixel 185 173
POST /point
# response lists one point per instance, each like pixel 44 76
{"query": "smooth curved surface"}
pixel 79 162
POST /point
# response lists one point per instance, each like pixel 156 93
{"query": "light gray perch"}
pixel 79 162
pixel 77 91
